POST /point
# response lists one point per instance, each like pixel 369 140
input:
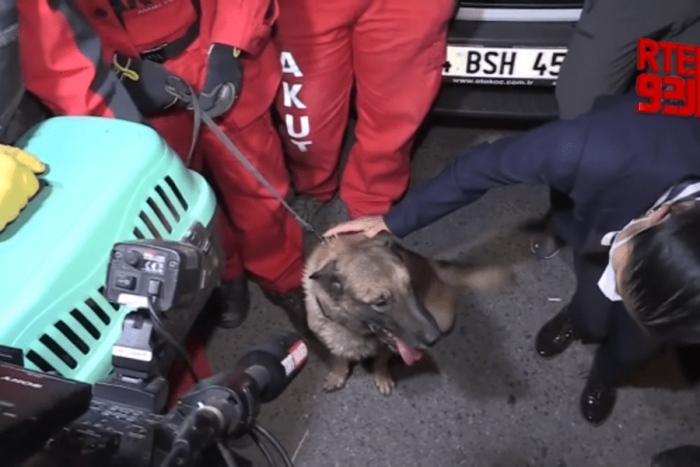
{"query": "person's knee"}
pixel 573 97
pixel 591 68
pixel 569 104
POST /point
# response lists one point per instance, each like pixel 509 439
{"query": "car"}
pixel 504 56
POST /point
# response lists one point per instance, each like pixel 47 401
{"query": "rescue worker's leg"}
pixel 602 55
pixel 398 49
pixel 179 377
pixel 270 239
pixel 313 101
pixel 232 298
pixel 176 129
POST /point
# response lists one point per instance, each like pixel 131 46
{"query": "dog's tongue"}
pixel 408 354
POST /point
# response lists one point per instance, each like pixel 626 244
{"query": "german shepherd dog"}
pixel 372 298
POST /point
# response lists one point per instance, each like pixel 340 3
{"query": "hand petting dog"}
pixel 370 226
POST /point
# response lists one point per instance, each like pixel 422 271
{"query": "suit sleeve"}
pixel 244 24
pixel 549 154
pixel 62 62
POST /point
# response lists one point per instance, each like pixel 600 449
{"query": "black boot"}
pixel 681 456
pixel 231 300
pixel 555 336
pixel 545 245
pixel 291 302
pixel 598 399
pixel 307 207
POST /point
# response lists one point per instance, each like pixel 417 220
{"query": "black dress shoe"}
pixel 681 456
pixel 555 336
pixel 597 400
pixel 232 301
pixel 545 245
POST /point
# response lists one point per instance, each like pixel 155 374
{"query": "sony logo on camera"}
pixel 22 382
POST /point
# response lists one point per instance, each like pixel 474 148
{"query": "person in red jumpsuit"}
pixel 113 58
pixel 393 52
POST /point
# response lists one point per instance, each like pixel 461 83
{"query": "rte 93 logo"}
pixel 669 79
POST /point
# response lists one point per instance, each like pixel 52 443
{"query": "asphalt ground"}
pixel 482 397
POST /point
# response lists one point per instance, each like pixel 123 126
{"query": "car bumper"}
pixel 505 28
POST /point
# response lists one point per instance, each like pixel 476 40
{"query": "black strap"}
pixel 184 91
pixel 167 51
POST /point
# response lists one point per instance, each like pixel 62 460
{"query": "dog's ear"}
pixel 388 241
pixel 328 278
pixel 385 239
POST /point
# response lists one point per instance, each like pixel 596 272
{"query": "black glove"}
pixel 223 81
pixel 145 81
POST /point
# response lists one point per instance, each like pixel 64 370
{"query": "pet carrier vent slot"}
pixel 59 351
pixel 98 311
pixel 168 203
pixel 149 225
pixel 40 363
pixel 138 234
pixel 89 327
pixel 159 215
pixel 73 337
pixel 176 190
pixel 116 306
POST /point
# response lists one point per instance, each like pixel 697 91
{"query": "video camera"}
pixel 50 421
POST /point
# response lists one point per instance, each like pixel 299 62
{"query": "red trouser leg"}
pixel 313 101
pixel 261 77
pixel 256 232
pixel 176 129
pixel 399 47
pixel 248 220
pixel 270 239
pixel 179 378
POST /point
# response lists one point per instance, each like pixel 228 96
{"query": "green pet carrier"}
pixel 108 181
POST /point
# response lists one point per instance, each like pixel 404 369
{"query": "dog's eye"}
pixel 380 305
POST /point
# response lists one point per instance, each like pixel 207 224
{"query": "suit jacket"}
pixel 613 162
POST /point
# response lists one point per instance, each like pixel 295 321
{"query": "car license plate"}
pixel 510 66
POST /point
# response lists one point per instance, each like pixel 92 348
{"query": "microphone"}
pixel 228 403
pixel 269 367
pixel 274 364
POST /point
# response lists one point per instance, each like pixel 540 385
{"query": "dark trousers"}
pixel 623 347
pixel 626 349
pixel 602 55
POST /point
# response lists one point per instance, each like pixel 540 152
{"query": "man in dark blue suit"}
pixel 633 225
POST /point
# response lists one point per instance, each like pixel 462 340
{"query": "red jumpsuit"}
pixel 393 52
pixel 65 65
